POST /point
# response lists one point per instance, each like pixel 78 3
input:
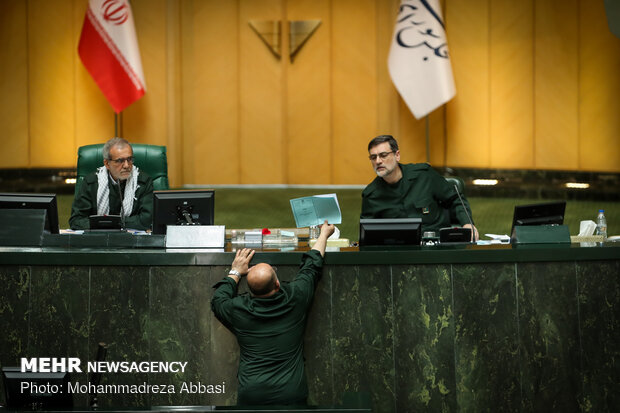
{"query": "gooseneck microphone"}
pixel 466 213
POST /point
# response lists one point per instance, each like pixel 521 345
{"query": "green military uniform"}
pixel 85 203
pixel 421 193
pixel 270 333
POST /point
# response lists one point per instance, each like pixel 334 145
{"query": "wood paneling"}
pixel 354 88
pixel 599 91
pixel 556 88
pixel 174 138
pixel 261 146
pixel 309 156
pixel 51 57
pixel 468 113
pixel 511 91
pixel 210 92
pixel 14 84
pixel 537 87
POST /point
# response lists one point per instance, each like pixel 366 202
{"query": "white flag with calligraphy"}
pixel 419 62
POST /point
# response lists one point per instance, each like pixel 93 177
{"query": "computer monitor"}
pixel 40 390
pixel 390 231
pixel 34 201
pixel 182 207
pixel 548 213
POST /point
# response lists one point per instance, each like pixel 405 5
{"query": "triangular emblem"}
pixel 299 33
pixel 269 32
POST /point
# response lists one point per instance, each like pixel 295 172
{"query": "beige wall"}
pixel 538 87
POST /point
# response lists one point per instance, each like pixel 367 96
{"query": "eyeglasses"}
pixel 381 155
pixel 121 161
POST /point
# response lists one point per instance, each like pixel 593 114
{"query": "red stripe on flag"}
pixel 106 70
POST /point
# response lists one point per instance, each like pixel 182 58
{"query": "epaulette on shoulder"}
pixel 420 166
pixel 90 178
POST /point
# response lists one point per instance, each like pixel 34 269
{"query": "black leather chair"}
pixel 455 180
pixel 149 158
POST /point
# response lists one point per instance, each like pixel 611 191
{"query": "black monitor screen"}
pixel 390 231
pixel 549 213
pixel 34 201
pixel 181 207
pixel 38 390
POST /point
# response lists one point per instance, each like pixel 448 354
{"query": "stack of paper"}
pixel 253 237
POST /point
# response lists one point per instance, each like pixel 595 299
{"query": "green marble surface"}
pixel 362 328
pixel 424 338
pixel 14 313
pixel 59 322
pixel 487 336
pixel 549 334
pixel 179 330
pixel 223 353
pixel 599 316
pixel 486 348
pixel 319 361
pixel 14 306
pixel 119 317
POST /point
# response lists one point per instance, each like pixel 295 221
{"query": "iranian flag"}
pixel 109 50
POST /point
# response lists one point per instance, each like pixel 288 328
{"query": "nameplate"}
pixel 195 236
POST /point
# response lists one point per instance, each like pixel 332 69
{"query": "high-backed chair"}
pixel 149 158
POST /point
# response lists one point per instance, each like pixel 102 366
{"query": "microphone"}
pixel 117 184
pixel 466 213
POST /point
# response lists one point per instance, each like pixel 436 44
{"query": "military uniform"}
pixel 270 333
pixel 85 203
pixel 420 193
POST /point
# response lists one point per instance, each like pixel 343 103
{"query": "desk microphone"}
pixel 466 213
pixel 117 184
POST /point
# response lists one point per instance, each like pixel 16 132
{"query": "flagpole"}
pixel 428 145
pixel 118 125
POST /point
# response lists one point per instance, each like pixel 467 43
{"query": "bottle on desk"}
pixel 601 224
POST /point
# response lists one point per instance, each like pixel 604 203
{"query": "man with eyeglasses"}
pixel 269 324
pixel 411 191
pixel 117 184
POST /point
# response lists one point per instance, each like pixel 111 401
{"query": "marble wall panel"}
pixel 486 344
pixel 179 330
pixel 119 308
pixel 599 313
pixel 363 334
pixel 59 317
pixel 480 337
pixel 14 299
pixel 424 338
pixel 317 349
pixel 223 356
pixel 549 333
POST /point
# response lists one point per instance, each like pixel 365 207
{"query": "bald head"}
pixel 262 280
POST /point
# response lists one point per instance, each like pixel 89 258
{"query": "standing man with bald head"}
pixel 269 324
